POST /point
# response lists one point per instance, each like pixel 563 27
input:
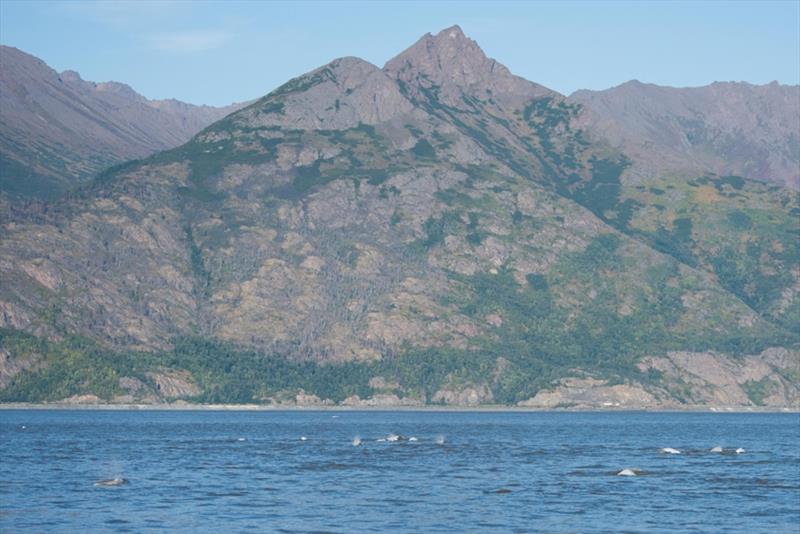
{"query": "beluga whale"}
pixel 670 450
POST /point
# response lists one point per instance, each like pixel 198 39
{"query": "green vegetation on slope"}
pixel 225 374
pixel 747 233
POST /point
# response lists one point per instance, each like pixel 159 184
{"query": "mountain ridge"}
pixel 58 129
pixel 724 127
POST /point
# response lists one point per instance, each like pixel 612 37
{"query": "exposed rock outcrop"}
pixel 771 378
pixel 173 384
pixel 83 399
pixel 304 399
pixel 592 393
pixel 381 400
pixel 12 366
pixel 464 395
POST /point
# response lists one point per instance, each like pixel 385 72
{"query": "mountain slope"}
pixel 726 128
pixel 56 130
pixel 434 231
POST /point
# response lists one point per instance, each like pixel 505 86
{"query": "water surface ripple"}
pixel 495 472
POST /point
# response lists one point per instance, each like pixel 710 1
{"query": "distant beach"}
pixel 185 406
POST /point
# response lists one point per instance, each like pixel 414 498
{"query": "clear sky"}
pixel 209 52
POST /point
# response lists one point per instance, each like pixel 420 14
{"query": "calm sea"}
pixel 494 472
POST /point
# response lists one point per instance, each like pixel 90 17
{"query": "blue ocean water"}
pixel 495 472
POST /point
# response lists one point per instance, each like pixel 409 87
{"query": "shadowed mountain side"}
pixel 57 129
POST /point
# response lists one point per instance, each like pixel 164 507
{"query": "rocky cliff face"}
pixel 727 128
pixel 57 130
pixel 454 67
pixel 439 223
pixel 769 379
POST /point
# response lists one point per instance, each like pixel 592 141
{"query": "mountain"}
pixel 727 128
pixel 434 231
pixel 57 130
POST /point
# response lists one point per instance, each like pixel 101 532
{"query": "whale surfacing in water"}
pixel 739 450
pixel 111 482
pixel 627 473
pixel 670 450
pixel 356 441
pixel 716 449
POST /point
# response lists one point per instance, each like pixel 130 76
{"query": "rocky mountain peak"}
pixel 70 76
pixel 452 65
pixel 449 56
pixel 119 88
pixel 111 88
pixel 342 94
pixel 349 67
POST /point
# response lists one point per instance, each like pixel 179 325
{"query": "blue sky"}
pixel 209 52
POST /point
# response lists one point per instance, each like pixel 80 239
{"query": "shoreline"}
pixel 489 408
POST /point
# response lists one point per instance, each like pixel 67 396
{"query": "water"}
pixel 495 472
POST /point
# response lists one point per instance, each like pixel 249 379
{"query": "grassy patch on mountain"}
pixel 17 179
pixel 745 232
